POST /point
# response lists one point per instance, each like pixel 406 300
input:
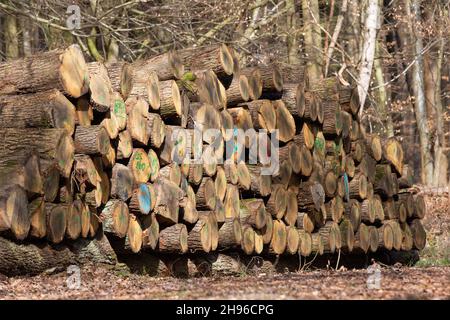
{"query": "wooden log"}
pixel 248 240
pixel 317 244
pixel 292 240
pixel 150 233
pixel 205 196
pixel 171 172
pixel 118 110
pixel 254 80
pixel 330 184
pixel 306 137
pixel 199 237
pixel 62 69
pixel 84 112
pixel 173 239
pixel 406 179
pixel 15 258
pixel 373 238
pixel 189 211
pixel 385 237
pixel 120 74
pixel 37 214
pixel 401 211
pixel 357 187
pixel 73 216
pixel 133 239
pixel 262 113
pixel 304 222
pixel 378 208
pixel 277 203
pixel 260 185
pixel 328 238
pixel 171 103
pixel 143 199
pixel 392 151
pixel 230 234
pixel 100 87
pixel 238 91
pixel 232 202
pixel 24 169
pixel 220 183
pixel 397 234
pixel 311 193
pixel 362 238
pixel 195 173
pixel 124 145
pixel 121 182
pixel 305 243
pixel 272 79
pixel 252 212
pixel 374 147
pixel 168 199
pixel 14 213
pixel 115 218
pixel 332 118
pixel 154 165
pixel 52 144
pixel 167 66
pixel 279 237
pixel 156 130
pixel 347 235
pixel 383 180
pixel 368 214
pixel 420 207
pixel 244 177
pixel 139 166
pixel 407 242
pixel 56 221
pixel 353 213
pixel 109 159
pixel 47 109
pixel 137 114
pixel 285 122
pixel 217 58
pixel 91 140
pixel 85 171
pixel 267 230
pixel 290 216
pixel 418 234
pixel 176 147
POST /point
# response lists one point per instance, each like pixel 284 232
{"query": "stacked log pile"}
pixel 88 148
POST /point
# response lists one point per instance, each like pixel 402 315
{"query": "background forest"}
pixel 408 77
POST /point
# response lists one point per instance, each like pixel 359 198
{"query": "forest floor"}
pixel 428 279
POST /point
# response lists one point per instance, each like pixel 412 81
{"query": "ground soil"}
pixel 428 279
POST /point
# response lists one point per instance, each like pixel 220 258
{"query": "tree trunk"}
pixel 63 69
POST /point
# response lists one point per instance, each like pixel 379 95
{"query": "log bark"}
pixel 100 87
pixel 48 109
pixel 32 259
pixel 121 182
pixel 115 218
pixel 173 239
pixel 91 140
pixel 51 144
pixel 62 69
pixel 137 114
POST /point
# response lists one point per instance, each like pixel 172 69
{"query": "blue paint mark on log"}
pixel 144 198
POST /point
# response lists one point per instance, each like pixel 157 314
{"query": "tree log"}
pixel 62 69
